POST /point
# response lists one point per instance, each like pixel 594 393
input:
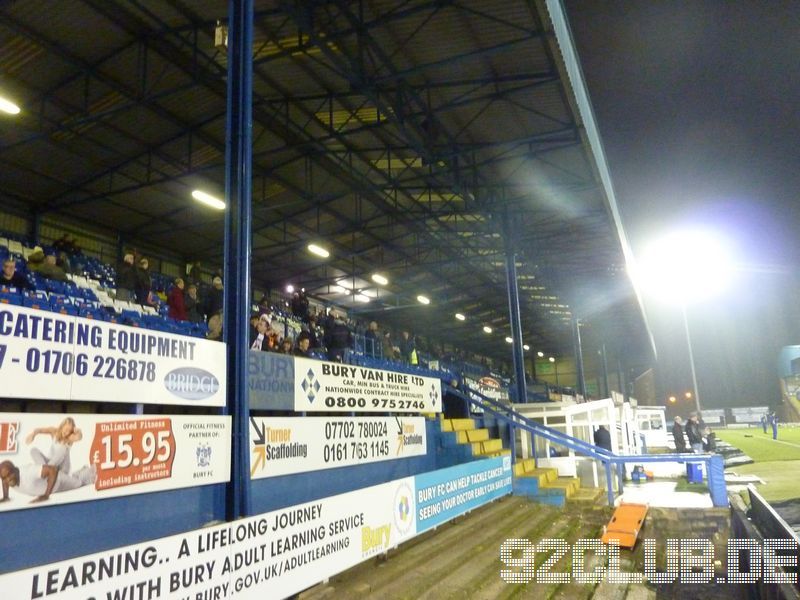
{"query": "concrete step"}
pixel 483 448
pixel 590 495
pixel 472 435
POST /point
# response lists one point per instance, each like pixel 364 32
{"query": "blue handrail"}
pixel 713 462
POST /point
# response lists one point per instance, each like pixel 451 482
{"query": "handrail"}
pixel 716 479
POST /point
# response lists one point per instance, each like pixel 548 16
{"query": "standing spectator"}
pixel 143 282
pixel 310 329
pixel 338 338
pixel 677 435
pixel 175 301
pixel 192 304
pixel 126 278
pixel 773 419
pixel 602 438
pixel 408 350
pixel 709 440
pixel 194 273
pixel 45 265
pixel 387 347
pixel 371 340
pixel 764 422
pixel 10 277
pixel 693 432
pixel 215 298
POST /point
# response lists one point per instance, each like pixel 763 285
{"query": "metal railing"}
pixel 713 462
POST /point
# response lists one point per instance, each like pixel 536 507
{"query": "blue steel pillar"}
pixel 516 327
pixel 238 175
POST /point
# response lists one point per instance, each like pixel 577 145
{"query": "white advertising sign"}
pixel 58 459
pixel 52 356
pixel 335 387
pixel 273 555
pixel 286 445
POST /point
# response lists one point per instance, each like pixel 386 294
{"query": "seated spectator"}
pixel 126 278
pixel 175 301
pixel 285 346
pixel 272 333
pixel 303 345
pixel 214 327
pixel 709 440
pixel 62 261
pixel 259 336
pixel 45 265
pixel 10 277
pixel 192 304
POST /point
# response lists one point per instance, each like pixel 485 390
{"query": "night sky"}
pixel 697 106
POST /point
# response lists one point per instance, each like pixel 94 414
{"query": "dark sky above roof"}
pixel 697 106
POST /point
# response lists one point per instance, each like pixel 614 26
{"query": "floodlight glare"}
pixel 379 279
pixel 361 298
pixel 290 288
pixel 551 359
pixel 460 317
pixel 509 340
pixel 423 299
pixel 540 354
pixel 318 250
pixel 208 200
pixel 526 347
pixel 337 289
pixel 685 267
pixel 487 329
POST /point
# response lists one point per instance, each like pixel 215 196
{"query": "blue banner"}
pixel 271 380
pixel 444 494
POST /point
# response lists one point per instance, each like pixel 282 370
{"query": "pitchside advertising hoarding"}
pixel 287 445
pixel 60 357
pixel 275 554
pixel 335 387
pixel 85 457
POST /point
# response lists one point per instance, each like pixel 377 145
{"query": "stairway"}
pixel 543 485
pixel 466 441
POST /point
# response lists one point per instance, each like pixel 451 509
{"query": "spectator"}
pixel 408 350
pixel 10 277
pixel 45 265
pixel 338 338
pixel 773 419
pixel 214 327
pixel 194 273
pixel 693 432
pixel 126 278
pixel 310 329
pixel 764 422
pixel 371 340
pixel 263 306
pixel 192 304
pixel 709 440
pixel 303 345
pixel 259 336
pixel 285 346
pixel 602 438
pixel 677 435
pixel 143 282
pixel 387 346
pixel 175 301
pixel 62 261
pixel 215 298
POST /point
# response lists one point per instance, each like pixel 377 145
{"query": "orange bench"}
pixel 625 524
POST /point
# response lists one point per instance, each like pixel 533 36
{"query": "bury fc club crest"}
pixel 203 455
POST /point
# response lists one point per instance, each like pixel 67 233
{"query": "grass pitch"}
pixel 777 462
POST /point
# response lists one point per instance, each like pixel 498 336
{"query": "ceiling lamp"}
pixel 318 250
pixel 379 279
pixel 487 329
pixel 207 199
pixel 7 106
pixel 460 317
pixel 509 340
pixel 423 299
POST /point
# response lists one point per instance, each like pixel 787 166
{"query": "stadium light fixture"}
pixel 487 329
pixel 460 317
pixel 379 279
pixel 207 199
pixel 318 250
pixel 672 399
pixel 290 288
pixel 688 395
pixel 551 359
pixel 7 106
pixel 509 340
pixel 540 354
pixel 526 347
pixel 423 299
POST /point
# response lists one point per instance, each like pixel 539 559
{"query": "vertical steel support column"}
pixel 238 173
pixel 606 391
pixel 576 340
pixel 513 310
